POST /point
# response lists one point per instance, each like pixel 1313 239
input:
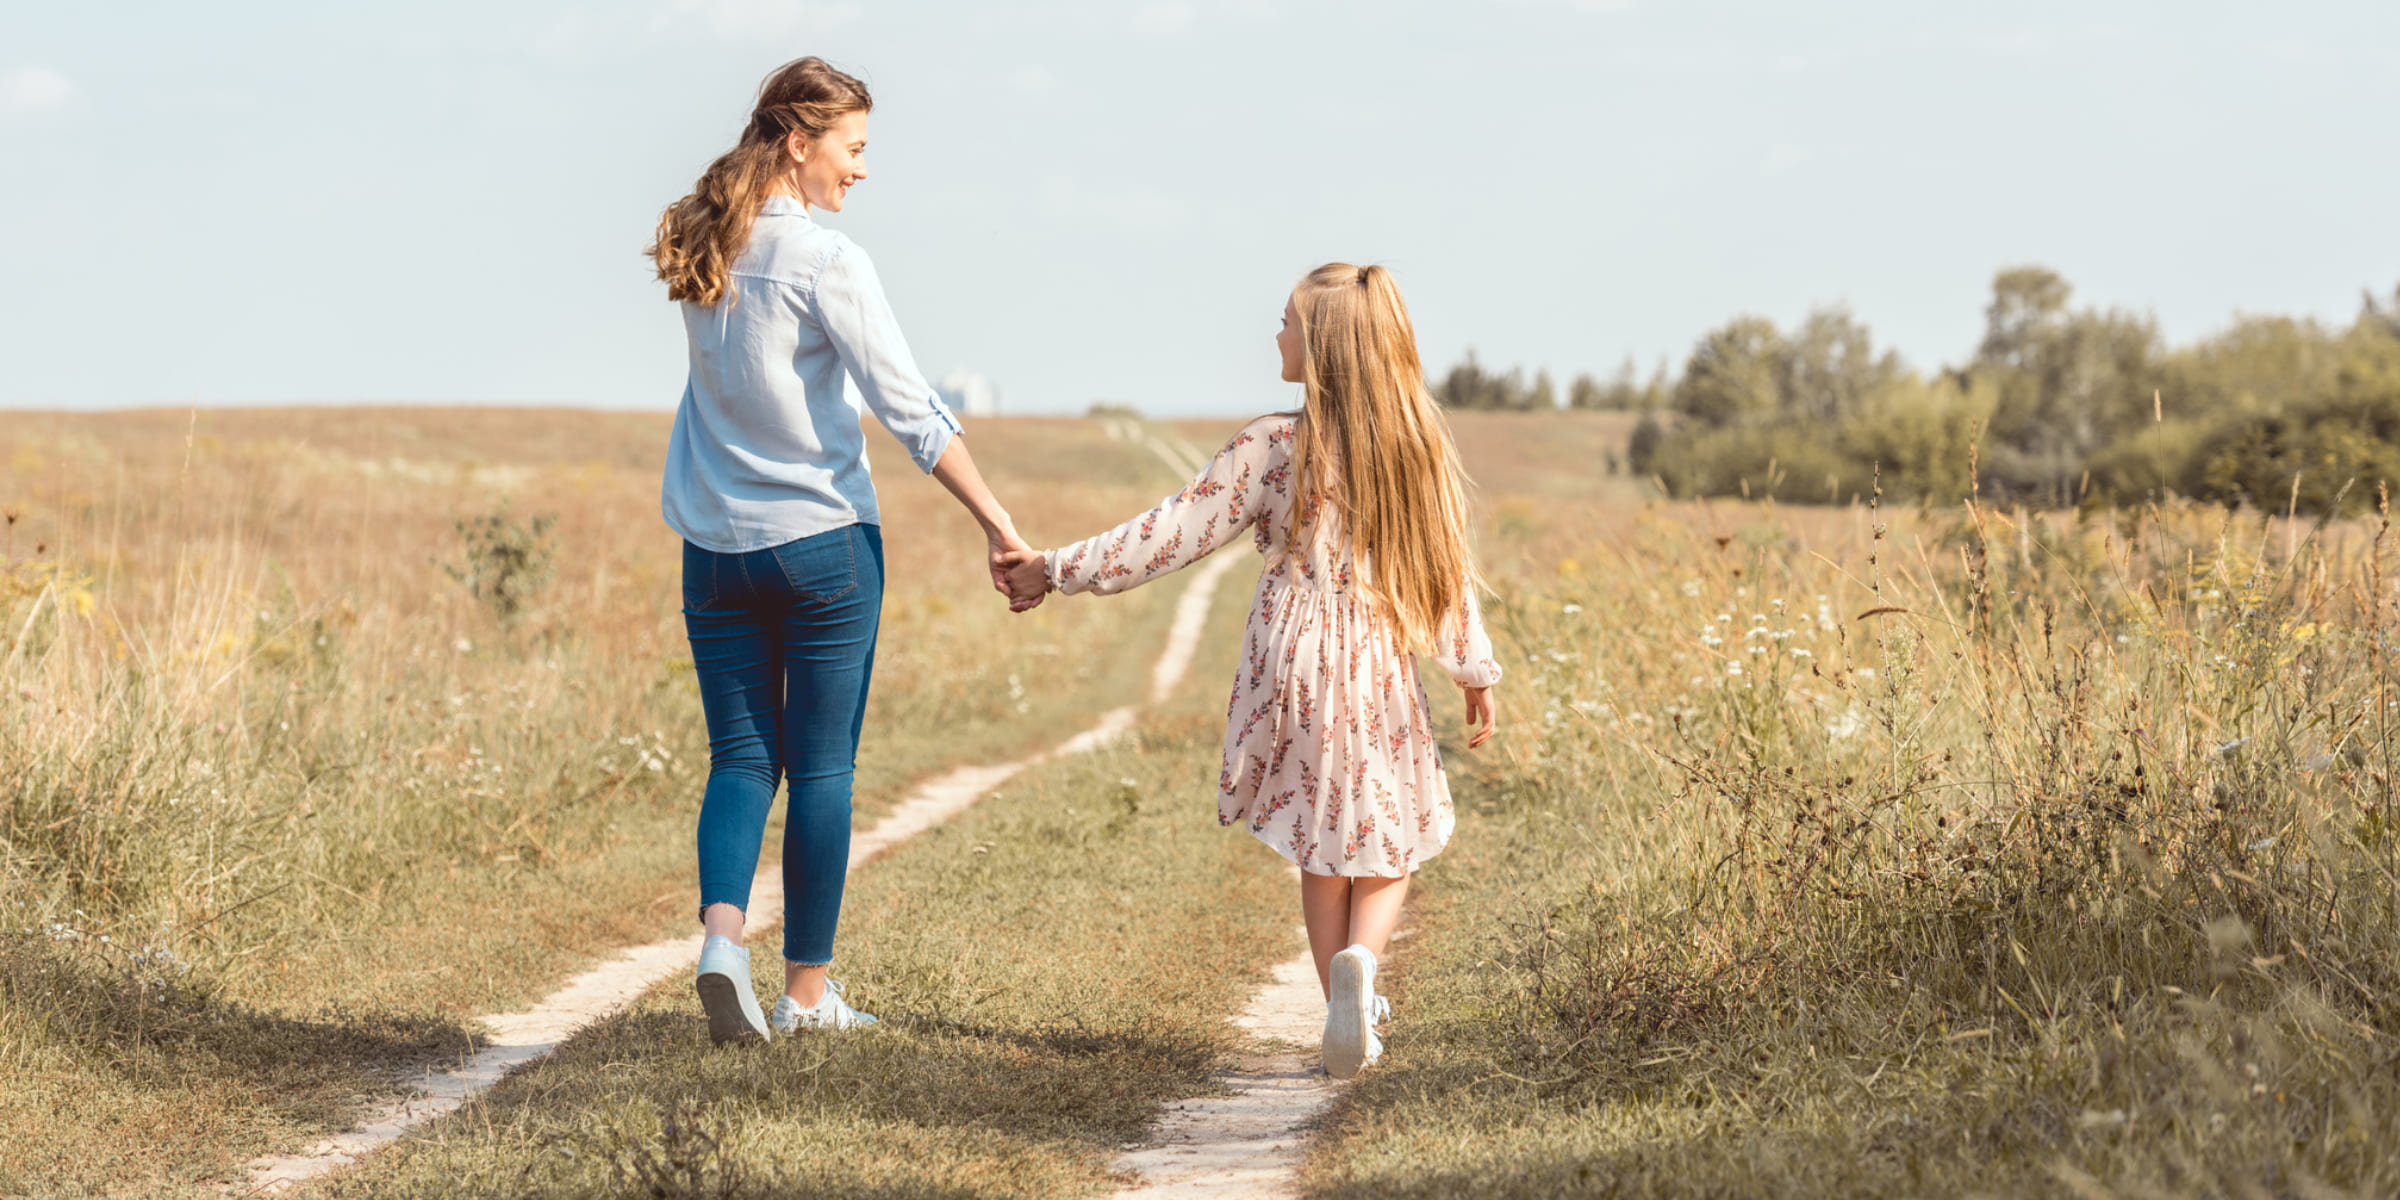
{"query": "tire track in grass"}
pixel 1247 1144
pixel 519 1038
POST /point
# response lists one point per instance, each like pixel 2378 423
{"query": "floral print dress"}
pixel 1329 751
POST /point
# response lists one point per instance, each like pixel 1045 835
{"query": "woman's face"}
pixel 1287 342
pixel 823 168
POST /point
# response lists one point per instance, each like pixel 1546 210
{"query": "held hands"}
pixel 1019 572
pixel 1004 549
pixel 1483 713
pixel 1025 575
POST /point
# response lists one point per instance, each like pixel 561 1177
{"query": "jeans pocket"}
pixel 823 568
pixel 699 578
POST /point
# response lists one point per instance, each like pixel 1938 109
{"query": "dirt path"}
pixel 1247 1144
pixel 522 1037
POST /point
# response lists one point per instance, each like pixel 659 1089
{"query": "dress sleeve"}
pixel 1464 649
pixel 1224 499
pixel 858 321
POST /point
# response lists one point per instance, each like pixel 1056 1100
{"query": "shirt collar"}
pixel 783 206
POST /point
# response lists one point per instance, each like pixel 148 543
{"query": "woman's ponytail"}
pixel 700 235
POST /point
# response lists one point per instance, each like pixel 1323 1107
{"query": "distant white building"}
pixel 970 393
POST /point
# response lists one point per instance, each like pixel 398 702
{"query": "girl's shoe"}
pixel 726 995
pixel 1383 1009
pixel 1350 1041
pixel 831 1012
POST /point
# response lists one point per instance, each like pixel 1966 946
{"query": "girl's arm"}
pixel 1465 651
pixel 1224 499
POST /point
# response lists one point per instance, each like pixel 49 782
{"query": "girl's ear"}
pixel 795 146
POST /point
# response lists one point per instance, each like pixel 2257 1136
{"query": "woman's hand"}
pixel 1025 576
pixel 1483 714
pixel 956 471
pixel 1006 554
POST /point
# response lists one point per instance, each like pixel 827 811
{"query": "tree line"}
pixel 2059 404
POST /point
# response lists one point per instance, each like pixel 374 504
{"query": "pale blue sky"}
pixel 445 201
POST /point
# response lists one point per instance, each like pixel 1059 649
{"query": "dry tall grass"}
pixel 249 721
pixel 1851 853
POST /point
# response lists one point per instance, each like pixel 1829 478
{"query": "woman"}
pixel 783 559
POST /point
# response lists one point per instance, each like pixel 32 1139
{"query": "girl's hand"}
pixel 1001 545
pixel 1027 578
pixel 1483 713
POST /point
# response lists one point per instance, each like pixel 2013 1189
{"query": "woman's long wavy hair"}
pixel 700 235
pixel 1372 443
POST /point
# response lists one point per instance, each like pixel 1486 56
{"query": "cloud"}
pixel 758 18
pixel 1783 158
pixel 33 89
pixel 1127 207
pixel 1034 80
pixel 1170 16
pixel 1595 6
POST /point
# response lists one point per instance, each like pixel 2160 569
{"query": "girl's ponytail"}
pixel 1371 441
pixel 700 235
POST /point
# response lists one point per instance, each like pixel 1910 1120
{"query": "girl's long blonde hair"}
pixel 700 235
pixel 1371 442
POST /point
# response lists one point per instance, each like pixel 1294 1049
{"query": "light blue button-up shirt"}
pixel 767 445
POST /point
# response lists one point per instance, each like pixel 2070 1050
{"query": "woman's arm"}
pixel 858 320
pixel 956 471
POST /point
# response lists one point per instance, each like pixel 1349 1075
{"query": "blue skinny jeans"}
pixel 784 641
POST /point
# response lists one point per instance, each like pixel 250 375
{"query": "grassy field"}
pixel 1825 851
pixel 1051 967
pixel 1845 853
pixel 286 801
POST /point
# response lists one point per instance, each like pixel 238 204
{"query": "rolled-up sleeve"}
pixel 859 321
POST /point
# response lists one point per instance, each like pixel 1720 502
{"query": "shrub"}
pixel 507 564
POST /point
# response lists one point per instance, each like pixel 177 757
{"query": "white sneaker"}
pixel 1350 1041
pixel 726 994
pixel 831 1012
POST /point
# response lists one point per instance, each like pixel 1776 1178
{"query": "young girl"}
pixel 1356 503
